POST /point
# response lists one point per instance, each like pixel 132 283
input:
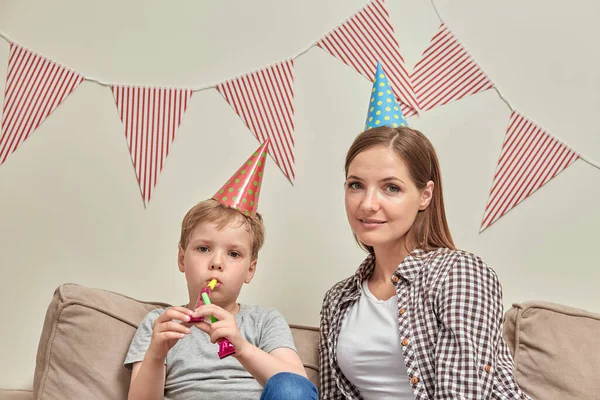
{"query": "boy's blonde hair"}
pixel 213 211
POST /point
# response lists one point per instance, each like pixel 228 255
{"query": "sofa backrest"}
pixel 87 332
pixel 85 338
pixel 556 350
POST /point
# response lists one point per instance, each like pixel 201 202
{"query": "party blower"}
pixel 226 348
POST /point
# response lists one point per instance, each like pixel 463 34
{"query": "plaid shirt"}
pixel 450 321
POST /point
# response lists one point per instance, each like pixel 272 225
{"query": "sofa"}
pixel 86 334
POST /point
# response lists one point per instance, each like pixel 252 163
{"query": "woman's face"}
pixel 382 200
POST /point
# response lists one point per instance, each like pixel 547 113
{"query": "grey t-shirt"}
pixel 193 365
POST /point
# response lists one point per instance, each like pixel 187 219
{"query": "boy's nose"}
pixel 216 263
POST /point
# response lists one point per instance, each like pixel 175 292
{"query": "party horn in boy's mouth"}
pixel 226 348
pixel 205 292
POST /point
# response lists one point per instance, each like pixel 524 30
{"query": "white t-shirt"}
pixel 369 351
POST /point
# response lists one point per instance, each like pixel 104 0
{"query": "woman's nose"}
pixel 369 202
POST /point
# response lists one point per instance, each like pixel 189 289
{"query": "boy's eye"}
pixel 234 254
pixel 354 185
pixel 203 249
pixel 393 188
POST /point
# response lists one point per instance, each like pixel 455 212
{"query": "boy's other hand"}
pixel 224 328
pixel 166 332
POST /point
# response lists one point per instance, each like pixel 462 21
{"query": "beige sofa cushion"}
pixel 86 336
pixel 556 350
pixel 16 395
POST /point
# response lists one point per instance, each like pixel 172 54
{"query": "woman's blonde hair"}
pixel 430 229
pixel 215 212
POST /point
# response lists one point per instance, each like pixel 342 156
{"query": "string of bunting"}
pixel 263 99
pixel 530 155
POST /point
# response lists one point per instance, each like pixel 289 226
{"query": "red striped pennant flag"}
pixel 151 117
pixel 35 86
pixel 446 72
pixel 368 38
pixel 263 100
pixel 530 158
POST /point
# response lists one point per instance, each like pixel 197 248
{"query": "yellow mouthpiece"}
pixel 212 284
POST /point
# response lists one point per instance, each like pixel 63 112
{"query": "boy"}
pixel 171 357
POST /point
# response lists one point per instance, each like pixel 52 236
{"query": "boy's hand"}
pixel 166 332
pixel 224 328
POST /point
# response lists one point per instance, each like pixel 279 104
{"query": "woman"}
pixel 419 319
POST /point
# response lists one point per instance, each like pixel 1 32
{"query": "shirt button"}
pixel 414 380
pixel 488 368
pixel 405 342
pixel 401 311
pixel 395 279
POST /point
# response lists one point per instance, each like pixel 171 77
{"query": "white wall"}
pixel 70 206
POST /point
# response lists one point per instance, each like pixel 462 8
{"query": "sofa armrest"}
pixel 7 394
pixel 555 350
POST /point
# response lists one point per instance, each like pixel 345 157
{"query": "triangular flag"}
pixel 366 39
pixel 446 72
pixel 151 117
pixel 242 190
pixel 530 158
pixel 35 86
pixel 383 107
pixel 264 101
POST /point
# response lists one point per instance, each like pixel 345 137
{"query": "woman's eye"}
pixel 393 188
pixel 203 249
pixel 354 185
pixel 234 254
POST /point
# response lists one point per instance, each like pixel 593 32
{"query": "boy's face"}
pixel 224 255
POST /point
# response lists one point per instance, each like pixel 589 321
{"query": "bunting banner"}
pixel 35 86
pixel 368 38
pixel 446 72
pixel 151 117
pixel 264 101
pixel 530 158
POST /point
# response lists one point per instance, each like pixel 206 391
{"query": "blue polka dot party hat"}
pixel 383 107
pixel 241 191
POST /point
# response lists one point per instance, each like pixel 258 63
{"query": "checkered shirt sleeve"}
pixel 331 377
pixel 469 339
pixel 326 379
